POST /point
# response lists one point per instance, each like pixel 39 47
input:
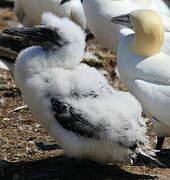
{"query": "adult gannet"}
pixel 144 68
pixel 99 12
pixel 74 101
pixel 29 11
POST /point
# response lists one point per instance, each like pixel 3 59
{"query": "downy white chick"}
pixel 73 101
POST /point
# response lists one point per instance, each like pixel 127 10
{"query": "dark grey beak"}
pixel 122 20
pixel 36 33
pixel 64 1
pixel 44 35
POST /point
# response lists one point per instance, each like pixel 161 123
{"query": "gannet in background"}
pixel 99 12
pixel 145 69
pixel 74 101
pixel 29 11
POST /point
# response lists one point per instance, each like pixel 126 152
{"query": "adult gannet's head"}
pixel 149 31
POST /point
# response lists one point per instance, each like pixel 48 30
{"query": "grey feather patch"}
pixel 91 94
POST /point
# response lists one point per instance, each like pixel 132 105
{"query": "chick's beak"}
pixel 122 20
pixel 35 33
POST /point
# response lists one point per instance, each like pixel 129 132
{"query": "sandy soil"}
pixel 28 153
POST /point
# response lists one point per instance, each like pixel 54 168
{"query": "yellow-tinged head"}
pixel 149 31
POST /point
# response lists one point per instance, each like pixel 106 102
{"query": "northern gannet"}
pixel 99 12
pixel 144 68
pixel 74 101
pixel 29 11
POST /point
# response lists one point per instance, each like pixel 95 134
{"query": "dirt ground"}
pixel 28 153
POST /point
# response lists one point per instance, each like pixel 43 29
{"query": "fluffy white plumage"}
pixel 29 11
pixel 147 76
pixel 99 13
pixel 75 103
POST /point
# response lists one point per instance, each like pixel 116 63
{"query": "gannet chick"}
pixel 99 12
pixel 144 69
pixel 29 11
pixel 74 101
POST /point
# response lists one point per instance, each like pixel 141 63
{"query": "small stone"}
pixel 31 147
pixel 15 177
pixel 21 128
pixel 2 101
pixel 104 72
pixel 6 119
pixel 37 125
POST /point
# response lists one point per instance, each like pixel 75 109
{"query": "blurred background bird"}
pixel 99 12
pixel 29 11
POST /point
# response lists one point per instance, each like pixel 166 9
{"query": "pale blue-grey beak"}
pixel 122 20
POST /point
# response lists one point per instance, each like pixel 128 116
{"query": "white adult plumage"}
pixel 144 69
pixel 29 11
pixel 74 101
pixel 99 12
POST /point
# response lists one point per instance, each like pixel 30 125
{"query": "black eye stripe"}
pixel 130 22
pixel 128 18
pixel 122 21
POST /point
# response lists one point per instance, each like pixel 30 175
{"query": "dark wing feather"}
pixel 74 120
